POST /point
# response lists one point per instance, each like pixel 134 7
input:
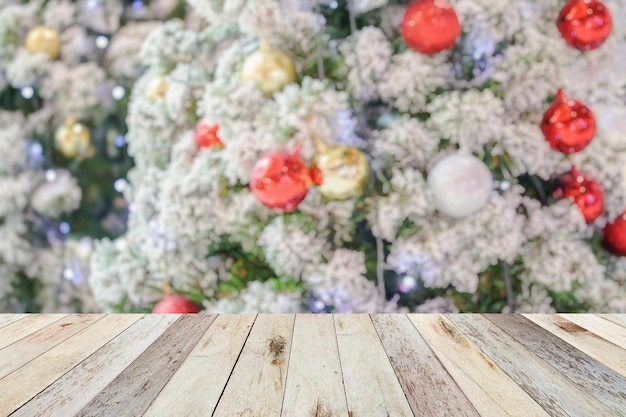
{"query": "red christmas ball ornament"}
pixel 281 180
pixel 206 134
pixel 568 125
pixel 174 304
pixel 615 235
pixel 430 26
pixel 585 24
pixel 587 194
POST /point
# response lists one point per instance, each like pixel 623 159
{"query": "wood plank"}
pixel 257 385
pixel 6 319
pixel 215 356
pixel 132 391
pixel 488 387
pixel 600 381
pixel 548 387
pixel 619 319
pixel 314 384
pixel 28 348
pixel 372 388
pixel 612 332
pixel 419 370
pixel 97 371
pixel 23 384
pixel 13 332
pixel 582 339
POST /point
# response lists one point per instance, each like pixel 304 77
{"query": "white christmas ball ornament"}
pixel 461 185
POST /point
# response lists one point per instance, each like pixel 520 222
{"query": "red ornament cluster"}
pixel 281 180
pixel 568 125
pixel 206 134
pixel 585 24
pixel 175 304
pixel 430 26
pixel 587 194
pixel 615 235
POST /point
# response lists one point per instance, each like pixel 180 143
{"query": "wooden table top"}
pixel 312 365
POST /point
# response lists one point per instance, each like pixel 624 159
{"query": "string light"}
pixel 120 141
pixel 504 185
pixel 65 228
pixel 35 150
pixel 317 306
pixel 92 4
pixel 102 41
pixel 120 185
pixel 68 274
pixel 50 175
pixel 407 284
pixel 118 92
pixel 27 92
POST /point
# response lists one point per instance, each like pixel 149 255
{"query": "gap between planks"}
pixel 26 382
pixel 215 354
pixel 97 371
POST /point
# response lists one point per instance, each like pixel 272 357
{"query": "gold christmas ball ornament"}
pixel 156 88
pixel 271 69
pixel 73 139
pixel 343 171
pixel 43 39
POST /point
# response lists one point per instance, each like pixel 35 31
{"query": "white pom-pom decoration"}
pixel 461 184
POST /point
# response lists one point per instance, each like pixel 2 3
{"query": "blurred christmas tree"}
pixel 374 155
pixel 66 68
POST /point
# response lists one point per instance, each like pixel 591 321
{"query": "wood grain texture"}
pixel 22 385
pixel 13 332
pixel 600 381
pixel 132 391
pixel 313 365
pixel 203 375
pixel 418 370
pixel 256 386
pixel 6 319
pixel 612 332
pixel 314 386
pixel 93 374
pixel 548 387
pixel 372 388
pixel 582 339
pixel 488 387
pixel 28 348
pixel 614 318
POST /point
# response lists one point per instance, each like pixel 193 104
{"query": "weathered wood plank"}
pixel 600 381
pixel 6 319
pixel 65 398
pixel 203 375
pixel 619 319
pixel 488 387
pixel 28 348
pixel 257 384
pixel 132 391
pixel 11 333
pixel 419 370
pixel 582 339
pixel 314 384
pixel 372 388
pixel 612 332
pixel 26 382
pixel 548 387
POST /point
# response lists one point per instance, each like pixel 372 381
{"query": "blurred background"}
pixel 351 156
